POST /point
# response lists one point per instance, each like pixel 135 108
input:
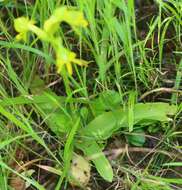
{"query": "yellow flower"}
pixel 22 26
pixel 67 58
pixel 64 57
pixel 72 17
pixel 51 25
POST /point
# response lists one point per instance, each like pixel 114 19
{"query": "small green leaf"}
pixel 92 150
pixel 137 137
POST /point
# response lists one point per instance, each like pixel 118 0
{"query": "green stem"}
pixel 67 86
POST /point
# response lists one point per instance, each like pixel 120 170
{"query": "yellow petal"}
pixel 71 56
pixel 60 13
pixel 75 18
pixel 59 64
pixel 21 36
pixel 69 68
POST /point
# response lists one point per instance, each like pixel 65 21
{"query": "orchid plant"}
pixel 64 56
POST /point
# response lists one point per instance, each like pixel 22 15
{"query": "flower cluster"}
pixel 64 57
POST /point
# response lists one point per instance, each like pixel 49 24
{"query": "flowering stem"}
pixel 40 33
pixel 67 86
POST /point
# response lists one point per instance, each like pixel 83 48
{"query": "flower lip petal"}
pixel 59 66
pixel 69 68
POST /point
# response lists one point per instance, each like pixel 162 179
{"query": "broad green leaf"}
pixel 59 123
pixel 108 100
pixel 104 125
pixel 51 111
pixel 157 111
pixel 92 150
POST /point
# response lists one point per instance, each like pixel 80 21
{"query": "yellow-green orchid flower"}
pixel 64 57
pixel 23 25
pixel 74 18
pixel 67 58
